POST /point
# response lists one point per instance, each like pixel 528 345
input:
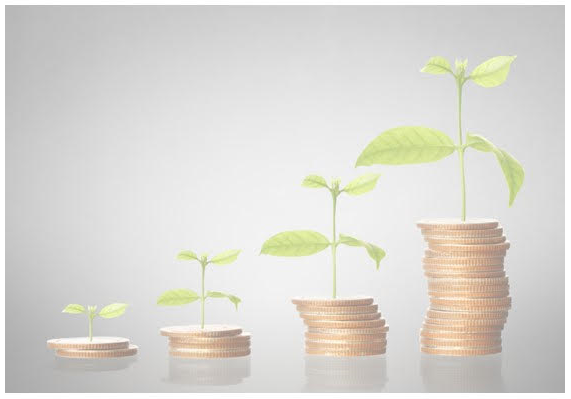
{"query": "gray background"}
pixel 135 132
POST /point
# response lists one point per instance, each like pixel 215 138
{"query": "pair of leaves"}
pixel 182 296
pixel 308 242
pixel 223 258
pixel 108 312
pixel 490 73
pixel 361 185
pixel 417 144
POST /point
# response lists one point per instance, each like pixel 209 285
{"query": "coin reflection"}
pixel 97 365
pixel 227 371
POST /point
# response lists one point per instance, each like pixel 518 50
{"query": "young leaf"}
pixel 295 243
pixel 187 255
pixel 216 294
pixel 407 145
pixel 113 310
pixel 362 184
pixel 492 72
pixel 512 169
pixel 376 253
pixel 74 308
pixel 226 257
pixel 314 181
pixel 180 296
pixel 437 66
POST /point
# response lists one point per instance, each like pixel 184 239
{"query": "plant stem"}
pixel 461 149
pixel 202 299
pixel 90 327
pixel 334 246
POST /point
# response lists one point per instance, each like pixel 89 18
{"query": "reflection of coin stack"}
pixel 97 348
pixel 342 327
pixel 212 341
pixel 467 286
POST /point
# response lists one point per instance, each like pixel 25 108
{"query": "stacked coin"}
pixel 342 327
pixel 467 286
pixel 212 341
pixel 96 348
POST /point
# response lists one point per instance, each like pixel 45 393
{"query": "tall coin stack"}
pixel 342 327
pixel 467 286
pixel 212 341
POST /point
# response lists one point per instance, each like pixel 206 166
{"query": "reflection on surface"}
pixel 111 364
pixel 462 374
pixel 338 374
pixel 230 371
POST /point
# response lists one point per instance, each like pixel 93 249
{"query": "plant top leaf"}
pixel 74 308
pixel 217 294
pixel 187 255
pixel 177 297
pixel 492 72
pixel 437 66
pixel 113 310
pixel 362 184
pixel 512 169
pixel 376 253
pixel 314 181
pixel 226 257
pixel 295 243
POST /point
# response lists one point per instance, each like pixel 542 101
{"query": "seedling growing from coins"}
pixel 108 312
pixel 183 296
pixel 309 242
pixel 418 144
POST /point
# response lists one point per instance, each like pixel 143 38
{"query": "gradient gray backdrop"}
pixel 136 132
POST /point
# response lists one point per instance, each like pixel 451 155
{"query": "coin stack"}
pixel 96 348
pixel 467 286
pixel 342 327
pixel 212 341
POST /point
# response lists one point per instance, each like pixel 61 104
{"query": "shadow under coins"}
pixel 462 374
pixel 96 365
pixel 208 372
pixel 340 374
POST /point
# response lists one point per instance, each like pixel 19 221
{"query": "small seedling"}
pixel 308 242
pixel 417 144
pixel 182 296
pixel 108 312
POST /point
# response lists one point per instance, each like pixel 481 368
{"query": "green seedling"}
pixel 182 296
pixel 418 144
pixel 308 242
pixel 108 312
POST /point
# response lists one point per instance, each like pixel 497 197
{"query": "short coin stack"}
pixel 467 286
pixel 342 327
pixel 212 341
pixel 96 348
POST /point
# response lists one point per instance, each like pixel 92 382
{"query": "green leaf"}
pixel 295 243
pixel 113 310
pixel 74 308
pixel 407 145
pixel 314 181
pixel 376 253
pixel 512 169
pixel 437 66
pixel 226 257
pixel 492 72
pixel 216 294
pixel 180 296
pixel 187 255
pixel 362 184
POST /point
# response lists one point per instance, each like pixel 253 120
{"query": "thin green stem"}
pixel 90 327
pixel 202 298
pixel 334 245
pixel 461 149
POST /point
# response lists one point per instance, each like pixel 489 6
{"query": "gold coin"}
pixel 484 302
pixel 346 345
pixel 456 335
pixel 346 337
pixel 348 331
pixel 208 353
pixel 209 345
pixel 244 337
pixel 468 288
pixel 465 240
pixel 456 224
pixel 427 233
pixel 460 352
pixel 339 353
pixel 85 343
pixel 337 309
pixel 460 343
pixel 462 329
pixel 345 324
pixel 340 317
pixel 212 330
pixel 478 274
pixel 462 269
pixel 469 294
pixel 355 301
pixel 460 248
pixel 465 322
pixel 463 261
pixel 97 353
pixel 500 254
pixel 468 281
pixel 437 314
